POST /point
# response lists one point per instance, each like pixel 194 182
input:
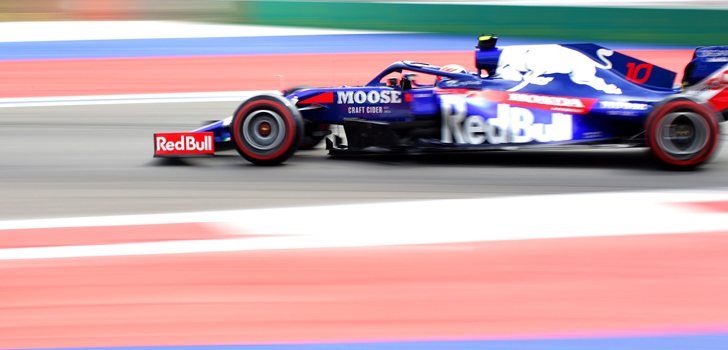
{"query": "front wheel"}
pixel 682 133
pixel 266 129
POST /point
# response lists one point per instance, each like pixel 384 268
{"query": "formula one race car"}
pixel 520 97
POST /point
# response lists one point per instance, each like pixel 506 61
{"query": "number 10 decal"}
pixel 638 73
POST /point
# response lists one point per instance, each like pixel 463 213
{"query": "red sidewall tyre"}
pixel 289 123
pixel 657 117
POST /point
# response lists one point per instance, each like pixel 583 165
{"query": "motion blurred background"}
pixel 592 249
pixel 650 21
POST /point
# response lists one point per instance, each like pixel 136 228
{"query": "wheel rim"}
pixel 264 130
pixel 683 134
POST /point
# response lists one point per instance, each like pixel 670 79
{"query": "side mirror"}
pixel 407 80
pixel 410 76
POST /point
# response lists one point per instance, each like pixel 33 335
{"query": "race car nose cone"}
pixel 264 129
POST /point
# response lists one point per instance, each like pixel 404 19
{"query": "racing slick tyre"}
pixel 682 133
pixel 266 129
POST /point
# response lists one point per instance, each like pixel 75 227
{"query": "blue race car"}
pixel 520 97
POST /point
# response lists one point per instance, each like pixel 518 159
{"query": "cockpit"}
pixel 406 75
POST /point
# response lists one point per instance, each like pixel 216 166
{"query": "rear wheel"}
pixel 682 133
pixel 266 130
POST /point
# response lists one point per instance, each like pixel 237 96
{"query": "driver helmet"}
pixel 451 68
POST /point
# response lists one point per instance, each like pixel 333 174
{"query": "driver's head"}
pixel 451 68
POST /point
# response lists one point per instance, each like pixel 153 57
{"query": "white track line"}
pixel 406 223
pixel 218 96
pixel 118 30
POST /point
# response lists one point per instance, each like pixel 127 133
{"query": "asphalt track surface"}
pixel 95 160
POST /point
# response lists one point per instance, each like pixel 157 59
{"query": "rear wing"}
pixel 707 77
pixel 706 60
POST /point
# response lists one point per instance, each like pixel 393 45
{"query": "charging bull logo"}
pixel 529 64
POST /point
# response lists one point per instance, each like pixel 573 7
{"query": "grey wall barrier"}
pixel 654 25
